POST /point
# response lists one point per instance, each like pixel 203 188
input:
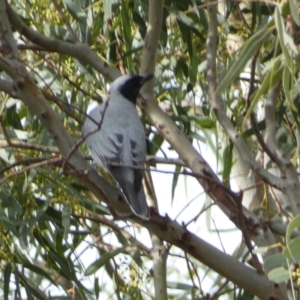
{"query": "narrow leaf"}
pixel 247 52
pixel 7 273
pixel 295 11
pixel 126 27
pixel 175 180
pixel 66 219
pixel 294 224
pixel 281 34
pixel 272 78
pixel 227 158
pixel 292 251
pixel 39 271
pixel 95 266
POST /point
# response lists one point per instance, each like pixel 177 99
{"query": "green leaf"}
pixel 39 271
pixel 193 67
pixel 7 273
pixel 121 238
pixel 65 268
pixel 11 202
pixel 279 275
pixel 282 36
pixel 175 181
pixel 187 37
pixel 183 17
pixel 272 78
pixel 75 10
pixel 286 84
pixel 66 219
pixel 136 256
pixel 292 250
pixel 31 289
pixel 126 28
pixel 249 132
pixel 183 66
pixel 294 224
pixel 96 287
pixel 43 241
pixel 274 261
pixel 105 258
pixel 179 286
pixel 12 118
pixel 198 137
pixel 248 50
pixel 155 144
pixel 18 134
pixel 295 10
pixel 203 121
pixel 96 207
pixel 227 158
pixel 10 224
pixel 140 22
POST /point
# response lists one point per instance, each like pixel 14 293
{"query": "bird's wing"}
pixel 138 158
pixel 122 145
pixel 104 143
pixel 107 148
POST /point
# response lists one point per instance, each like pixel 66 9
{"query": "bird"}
pixel 116 139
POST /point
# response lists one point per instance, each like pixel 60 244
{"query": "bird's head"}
pixel 129 86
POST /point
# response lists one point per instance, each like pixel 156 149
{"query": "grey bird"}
pixel 118 139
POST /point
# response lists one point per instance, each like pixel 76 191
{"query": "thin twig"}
pixel 29 146
pixel 200 213
pixel 33 166
pixel 78 87
pixel 242 17
pixel 72 34
pixel 212 3
pixel 7 138
pixel 217 231
pixel 258 135
pixel 190 271
pixel 22 162
pixel 167 161
pixel 32 47
pixel 247 240
pixel 112 224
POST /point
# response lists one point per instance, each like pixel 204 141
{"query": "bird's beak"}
pixel 145 78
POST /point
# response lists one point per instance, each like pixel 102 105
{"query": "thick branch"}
pixel 289 172
pixel 77 50
pixel 159 252
pixel 26 90
pixel 226 265
pixel 163 228
pixel 263 237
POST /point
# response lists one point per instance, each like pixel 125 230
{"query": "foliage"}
pixel 51 221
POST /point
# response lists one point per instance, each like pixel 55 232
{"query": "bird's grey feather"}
pixel 119 138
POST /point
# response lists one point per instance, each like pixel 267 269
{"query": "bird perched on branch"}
pixel 117 141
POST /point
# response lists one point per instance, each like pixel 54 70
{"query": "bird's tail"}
pixel 135 198
pixel 142 206
pixel 137 201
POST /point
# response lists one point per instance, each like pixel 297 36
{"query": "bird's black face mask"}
pixel 131 88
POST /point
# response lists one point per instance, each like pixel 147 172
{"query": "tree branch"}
pixel 163 228
pixel 289 172
pixel 80 51
pixel 265 238
pixel 26 90
pixel 226 265
pixel 159 252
